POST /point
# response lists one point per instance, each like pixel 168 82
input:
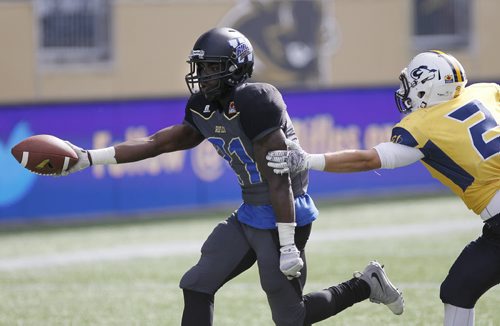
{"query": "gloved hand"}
pixel 292 161
pixel 84 160
pixel 290 261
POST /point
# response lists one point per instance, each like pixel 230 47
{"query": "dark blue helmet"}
pixel 230 55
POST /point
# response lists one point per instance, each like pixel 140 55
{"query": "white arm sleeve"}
pixel 396 155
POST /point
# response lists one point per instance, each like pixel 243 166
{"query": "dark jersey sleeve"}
pixel 262 110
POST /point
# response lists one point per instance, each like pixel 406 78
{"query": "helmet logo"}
pixel 197 54
pixel 242 51
pixel 422 74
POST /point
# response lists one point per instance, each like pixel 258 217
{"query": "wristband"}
pixel 317 162
pixel 89 157
pixel 286 233
pixel 103 156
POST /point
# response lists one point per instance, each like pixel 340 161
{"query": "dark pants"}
pixel 476 270
pixel 232 248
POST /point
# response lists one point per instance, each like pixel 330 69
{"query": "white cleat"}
pixel 381 288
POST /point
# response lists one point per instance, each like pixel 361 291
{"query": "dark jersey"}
pixel 253 111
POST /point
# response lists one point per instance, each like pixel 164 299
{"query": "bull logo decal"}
pixel 293 40
pixel 423 74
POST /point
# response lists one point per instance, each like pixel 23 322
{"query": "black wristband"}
pixel 89 157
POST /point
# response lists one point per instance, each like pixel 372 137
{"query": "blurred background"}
pixel 97 72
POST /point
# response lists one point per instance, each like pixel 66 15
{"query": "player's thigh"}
pixel 475 271
pixel 225 254
pixel 284 296
pixel 267 247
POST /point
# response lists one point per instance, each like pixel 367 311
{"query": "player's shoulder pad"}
pixel 400 135
pixel 491 87
pixel 259 96
pixel 260 92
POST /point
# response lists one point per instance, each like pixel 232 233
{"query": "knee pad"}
pixel 454 292
pixel 188 280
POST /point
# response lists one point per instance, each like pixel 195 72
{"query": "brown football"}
pixel 45 154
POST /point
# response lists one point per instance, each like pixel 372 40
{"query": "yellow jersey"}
pixel 460 140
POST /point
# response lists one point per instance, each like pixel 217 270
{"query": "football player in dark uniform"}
pixel 243 121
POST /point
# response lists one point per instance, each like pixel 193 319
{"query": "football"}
pixel 45 154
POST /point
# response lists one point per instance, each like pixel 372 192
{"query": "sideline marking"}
pixel 193 247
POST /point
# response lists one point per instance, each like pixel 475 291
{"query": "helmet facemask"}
pixel 403 102
pixel 211 84
pixel 413 94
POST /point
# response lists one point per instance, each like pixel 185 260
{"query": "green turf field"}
pixel 127 274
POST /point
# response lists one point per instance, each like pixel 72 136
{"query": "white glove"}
pixel 292 161
pixel 84 160
pixel 290 261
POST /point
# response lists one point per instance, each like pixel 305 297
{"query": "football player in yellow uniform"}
pixel 454 131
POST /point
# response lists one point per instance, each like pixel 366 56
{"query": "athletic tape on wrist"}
pixel 286 233
pixel 317 162
pixel 103 155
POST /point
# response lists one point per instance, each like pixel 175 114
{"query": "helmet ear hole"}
pixel 238 72
pixel 232 68
pixel 420 94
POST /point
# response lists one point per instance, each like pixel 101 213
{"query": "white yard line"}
pixel 398 231
pixel 192 247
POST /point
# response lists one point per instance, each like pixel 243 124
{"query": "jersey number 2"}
pixel 485 148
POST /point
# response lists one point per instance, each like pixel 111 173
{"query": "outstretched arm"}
pixel 352 160
pixel 170 139
pixel 385 155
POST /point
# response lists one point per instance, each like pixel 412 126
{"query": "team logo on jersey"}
pixel 397 139
pixel 207 109
pixel 232 108
pixel 220 130
pixel 423 74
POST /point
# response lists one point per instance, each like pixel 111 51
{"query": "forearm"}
pixel 352 160
pixel 129 151
pixel 282 201
pixel 170 139
pixel 284 207
pixel 135 150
